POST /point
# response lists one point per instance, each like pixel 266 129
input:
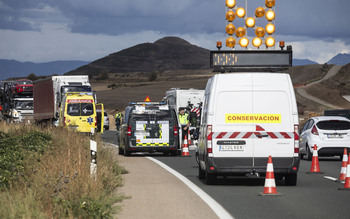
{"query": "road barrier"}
pixel 315 165
pixel 270 183
pixel 184 148
pixel 344 164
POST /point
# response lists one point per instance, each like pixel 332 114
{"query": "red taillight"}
pixel 107 119
pixel 209 139
pixel 296 139
pixel 129 130
pixel 314 130
pixel 176 131
pixel 64 120
pixel 95 121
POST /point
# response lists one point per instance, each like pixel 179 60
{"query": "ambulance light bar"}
pixel 236 59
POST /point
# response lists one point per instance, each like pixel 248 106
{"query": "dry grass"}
pixel 59 183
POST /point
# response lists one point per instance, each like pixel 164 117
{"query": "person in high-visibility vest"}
pixel 118 116
pixel 184 121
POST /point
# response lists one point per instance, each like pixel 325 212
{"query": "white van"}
pixel 247 117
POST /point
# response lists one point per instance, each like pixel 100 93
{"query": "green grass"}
pixel 46 174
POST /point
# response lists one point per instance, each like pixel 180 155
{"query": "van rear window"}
pixel 80 109
pixel 333 125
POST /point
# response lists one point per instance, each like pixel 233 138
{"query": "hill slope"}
pixel 169 53
pixel 340 59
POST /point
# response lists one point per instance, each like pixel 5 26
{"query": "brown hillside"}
pixel 169 53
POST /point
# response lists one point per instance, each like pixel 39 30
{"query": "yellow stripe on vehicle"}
pixel 253 118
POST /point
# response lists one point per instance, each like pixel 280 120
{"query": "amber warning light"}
pixel 147 99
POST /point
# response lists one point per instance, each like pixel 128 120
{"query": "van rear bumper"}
pixel 151 149
pixel 242 166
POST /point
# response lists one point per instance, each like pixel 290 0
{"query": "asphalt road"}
pixel 314 196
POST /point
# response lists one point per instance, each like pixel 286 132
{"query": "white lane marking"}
pixel 216 207
pixel 333 179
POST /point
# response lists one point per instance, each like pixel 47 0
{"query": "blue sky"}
pixel 50 30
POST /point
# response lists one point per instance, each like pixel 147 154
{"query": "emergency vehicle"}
pixel 78 112
pixel 247 117
pixel 150 127
pixel 190 99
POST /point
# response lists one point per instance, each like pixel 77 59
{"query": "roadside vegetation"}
pixel 46 174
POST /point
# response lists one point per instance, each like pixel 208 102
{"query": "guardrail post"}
pixel 93 153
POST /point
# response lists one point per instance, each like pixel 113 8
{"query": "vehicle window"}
pixel 305 126
pixel 73 109
pixel 24 82
pixel 87 109
pixel 311 124
pixel 334 125
pixel 24 105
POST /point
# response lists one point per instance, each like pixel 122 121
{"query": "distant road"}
pixel 301 90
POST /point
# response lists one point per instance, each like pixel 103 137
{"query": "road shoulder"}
pixel 156 193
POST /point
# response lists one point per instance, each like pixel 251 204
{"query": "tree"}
pixel 32 77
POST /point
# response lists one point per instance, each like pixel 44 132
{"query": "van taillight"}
pixel 209 139
pixel 296 139
pixel 129 130
pixel 95 121
pixel 64 120
pixel 176 131
pixel 314 130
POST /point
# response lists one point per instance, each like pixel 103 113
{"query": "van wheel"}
pixel 210 179
pixel 291 179
pixel 308 154
pixel 201 173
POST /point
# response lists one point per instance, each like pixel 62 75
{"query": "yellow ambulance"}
pixel 78 112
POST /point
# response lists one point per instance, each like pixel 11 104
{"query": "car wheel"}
pixel 210 179
pixel 121 151
pixel 201 173
pixel 107 128
pixel 308 153
pixel 197 157
pixel 291 179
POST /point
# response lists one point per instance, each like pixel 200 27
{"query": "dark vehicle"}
pixel 341 112
pixel 149 127
pixel 22 87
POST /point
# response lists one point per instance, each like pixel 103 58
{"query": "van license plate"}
pixel 231 147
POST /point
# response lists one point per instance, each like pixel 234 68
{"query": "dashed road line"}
pixel 215 206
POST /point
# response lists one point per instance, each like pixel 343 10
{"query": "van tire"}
pixel 210 179
pixel 126 153
pixel 291 179
pixel 201 173
pixel 308 154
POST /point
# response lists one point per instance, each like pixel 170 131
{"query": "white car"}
pixel 331 134
pixel 106 119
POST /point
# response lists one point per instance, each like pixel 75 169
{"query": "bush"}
pixel 46 174
pixel 153 76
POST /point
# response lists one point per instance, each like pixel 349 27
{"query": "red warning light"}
pixel 147 99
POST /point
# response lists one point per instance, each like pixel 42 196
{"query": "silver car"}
pixel 331 134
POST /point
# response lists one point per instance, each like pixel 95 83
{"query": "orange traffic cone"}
pixel 189 137
pixel 270 184
pixel 184 148
pixel 347 179
pixel 315 166
pixel 344 164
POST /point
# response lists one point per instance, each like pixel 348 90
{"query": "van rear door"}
pixel 232 103
pixel 273 120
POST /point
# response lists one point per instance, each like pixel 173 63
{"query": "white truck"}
pixel 22 110
pixel 49 92
pixel 246 118
pixel 192 100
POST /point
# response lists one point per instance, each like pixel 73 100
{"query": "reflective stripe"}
pixel 183 119
pixel 253 135
pixel 152 144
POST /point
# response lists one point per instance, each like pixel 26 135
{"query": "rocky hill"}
pixel 169 53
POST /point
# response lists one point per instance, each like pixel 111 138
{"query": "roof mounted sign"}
pixel 236 60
